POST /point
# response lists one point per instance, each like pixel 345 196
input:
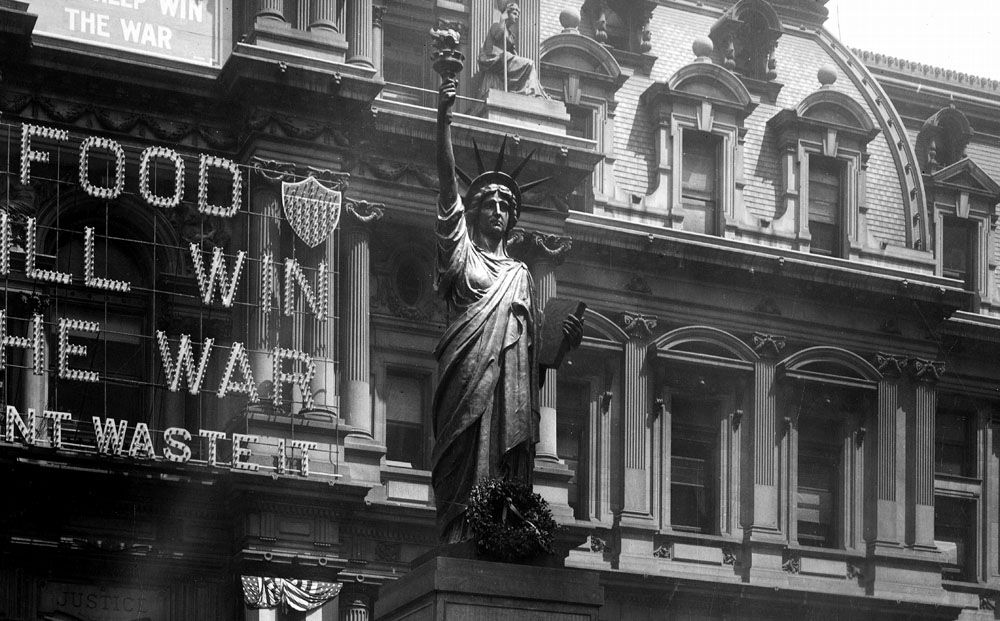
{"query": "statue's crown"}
pixel 497 176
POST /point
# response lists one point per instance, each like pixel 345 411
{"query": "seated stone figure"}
pixel 500 51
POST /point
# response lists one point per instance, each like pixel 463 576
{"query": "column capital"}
pixel 363 213
pixel 378 14
pixel 534 246
pixel 768 345
pixel 928 371
pixel 890 365
pixel 638 326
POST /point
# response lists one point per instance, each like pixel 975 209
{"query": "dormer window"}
pixel 824 145
pixel 700 113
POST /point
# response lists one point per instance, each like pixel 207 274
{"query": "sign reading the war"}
pixel 184 30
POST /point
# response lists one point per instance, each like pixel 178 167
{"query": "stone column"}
pixel 323 17
pixel 764 429
pixel 271 10
pixel 356 608
pixel 378 41
pixel 324 383
pixel 544 253
pixel 356 395
pixel 883 527
pixel 262 317
pixel 925 373
pixel 359 32
pixel 637 454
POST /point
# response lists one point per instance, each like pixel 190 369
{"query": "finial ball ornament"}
pixel 702 47
pixel 827 75
pixel 569 19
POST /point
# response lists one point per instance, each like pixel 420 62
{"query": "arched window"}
pixel 827 400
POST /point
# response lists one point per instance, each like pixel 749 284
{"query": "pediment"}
pixel 835 108
pixel 703 81
pixel 968 175
pixel 575 52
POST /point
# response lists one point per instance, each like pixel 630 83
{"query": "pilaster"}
pixel 378 34
pixel 261 324
pixel 356 402
pixel 637 458
pixel 763 512
pixel 882 523
pixel 921 465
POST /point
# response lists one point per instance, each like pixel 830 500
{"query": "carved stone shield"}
pixel 312 209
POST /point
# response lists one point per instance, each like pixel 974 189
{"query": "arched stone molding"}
pixel 942 139
pixel 603 326
pixel 145 222
pixel 708 99
pixel 854 365
pixel 713 337
pixel 571 50
pixel 831 107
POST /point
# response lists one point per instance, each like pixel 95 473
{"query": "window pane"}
pixel 955 536
pixel 698 167
pixel 824 205
pixel 699 182
pixel 956 257
pixel 573 401
pixel 818 493
pixel 693 467
pixel 405 405
pixel 954 450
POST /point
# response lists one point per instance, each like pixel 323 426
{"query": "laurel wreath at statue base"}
pixel 509 521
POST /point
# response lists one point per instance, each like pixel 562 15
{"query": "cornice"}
pixel 875 60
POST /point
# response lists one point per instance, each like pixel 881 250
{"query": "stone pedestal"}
pixel 523 111
pixel 445 589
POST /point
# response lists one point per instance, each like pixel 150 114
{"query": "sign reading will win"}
pixel 185 30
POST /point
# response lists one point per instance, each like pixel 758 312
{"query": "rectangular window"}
pixel 955 536
pixel 573 400
pixel 693 464
pixel 818 493
pixel 405 408
pixel 581 125
pixel 957 259
pixel 954 436
pixel 699 182
pixel 825 206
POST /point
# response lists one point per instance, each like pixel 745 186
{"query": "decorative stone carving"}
pixel 663 551
pixel 926 370
pixel 768 345
pixel 890 365
pixel 745 38
pixel 729 555
pixel 621 24
pixel 598 544
pixel 855 571
pixel 790 562
pixel 987 602
pixel 638 326
pixel 532 246
pixel 942 139
pixel 638 284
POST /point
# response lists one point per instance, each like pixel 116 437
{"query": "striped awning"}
pixel 302 595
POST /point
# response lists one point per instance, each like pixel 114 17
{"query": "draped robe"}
pixel 485 405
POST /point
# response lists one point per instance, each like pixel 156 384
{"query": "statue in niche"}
pixel 500 66
pixel 485 411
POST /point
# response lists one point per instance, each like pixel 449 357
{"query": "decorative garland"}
pixel 509 521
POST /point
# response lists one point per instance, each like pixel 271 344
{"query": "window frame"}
pixel 422 375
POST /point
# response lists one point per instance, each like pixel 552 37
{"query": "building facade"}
pixel 219 317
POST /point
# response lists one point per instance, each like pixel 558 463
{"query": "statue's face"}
pixel 513 12
pixel 494 214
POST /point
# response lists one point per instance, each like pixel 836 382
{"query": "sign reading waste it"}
pixel 184 30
